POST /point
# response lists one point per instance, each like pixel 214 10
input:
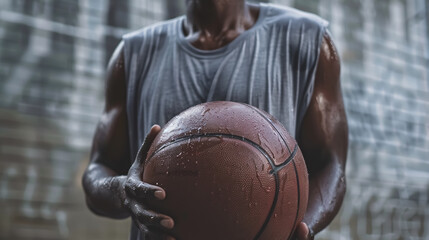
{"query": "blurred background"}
pixel 53 55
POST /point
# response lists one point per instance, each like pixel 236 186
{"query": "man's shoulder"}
pixel 284 15
pixel 163 28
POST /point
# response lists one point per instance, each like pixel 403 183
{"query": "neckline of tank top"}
pixel 188 47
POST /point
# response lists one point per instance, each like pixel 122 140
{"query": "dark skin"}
pixel 113 186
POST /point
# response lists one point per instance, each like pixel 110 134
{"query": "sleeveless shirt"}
pixel 271 66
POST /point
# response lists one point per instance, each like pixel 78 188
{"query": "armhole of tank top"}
pixel 308 92
pixel 127 59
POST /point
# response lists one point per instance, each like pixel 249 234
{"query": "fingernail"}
pixel 159 194
pixel 167 223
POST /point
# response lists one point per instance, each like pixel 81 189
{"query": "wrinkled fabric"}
pixel 270 66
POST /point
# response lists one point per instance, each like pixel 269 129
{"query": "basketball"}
pixel 230 172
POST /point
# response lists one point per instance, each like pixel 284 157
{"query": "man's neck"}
pixel 213 23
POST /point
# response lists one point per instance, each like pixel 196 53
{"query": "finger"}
pixel 152 234
pixel 151 219
pixel 143 191
pixel 302 232
pixel 137 168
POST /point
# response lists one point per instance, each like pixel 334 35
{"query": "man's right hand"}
pixel 135 194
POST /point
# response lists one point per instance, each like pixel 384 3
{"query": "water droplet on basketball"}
pixel 259 138
pixel 205 111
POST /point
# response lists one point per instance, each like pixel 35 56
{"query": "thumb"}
pixel 137 166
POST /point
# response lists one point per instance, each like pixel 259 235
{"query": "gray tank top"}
pixel 270 66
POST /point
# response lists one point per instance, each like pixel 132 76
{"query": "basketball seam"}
pixel 280 166
pixel 183 138
pixel 259 148
pixel 270 122
pixel 299 198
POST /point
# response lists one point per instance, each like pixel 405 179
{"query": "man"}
pixel 278 59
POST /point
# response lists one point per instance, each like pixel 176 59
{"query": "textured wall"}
pixel 384 47
pixel 52 59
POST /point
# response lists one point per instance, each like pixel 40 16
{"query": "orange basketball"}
pixel 231 172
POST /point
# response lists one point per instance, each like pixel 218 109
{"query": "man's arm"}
pixel 323 140
pixel 109 160
pixel 113 186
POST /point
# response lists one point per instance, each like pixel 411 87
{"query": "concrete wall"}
pixel 53 55
pixel 384 48
pixel 52 59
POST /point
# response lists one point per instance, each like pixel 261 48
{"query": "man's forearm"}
pixel 326 193
pixel 103 191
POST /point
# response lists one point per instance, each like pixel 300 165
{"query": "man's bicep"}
pixel 323 133
pixel 111 143
pixel 115 92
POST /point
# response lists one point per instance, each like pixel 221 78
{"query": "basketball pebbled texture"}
pixel 230 171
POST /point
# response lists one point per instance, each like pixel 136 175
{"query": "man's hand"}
pixel 135 194
pixel 302 232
